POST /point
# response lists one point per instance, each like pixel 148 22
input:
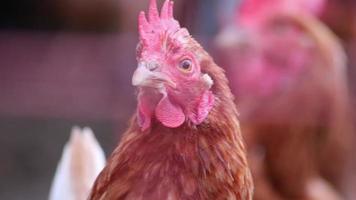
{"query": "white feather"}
pixel 81 162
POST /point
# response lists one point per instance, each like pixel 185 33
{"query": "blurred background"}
pixel 69 62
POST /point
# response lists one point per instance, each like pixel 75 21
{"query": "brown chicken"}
pixel 185 141
pixel 288 71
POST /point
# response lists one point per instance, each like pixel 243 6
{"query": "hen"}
pixel 288 72
pixel 81 162
pixel 184 142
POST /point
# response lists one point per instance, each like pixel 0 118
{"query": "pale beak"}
pixel 144 77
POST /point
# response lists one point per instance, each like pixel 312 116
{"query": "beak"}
pixel 144 77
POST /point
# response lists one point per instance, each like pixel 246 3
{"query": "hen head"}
pixel 171 86
pixel 284 46
pixel 284 52
pixel 270 47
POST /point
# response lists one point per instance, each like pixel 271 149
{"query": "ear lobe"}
pixel 203 107
pixel 207 80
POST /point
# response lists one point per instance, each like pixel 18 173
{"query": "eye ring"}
pixel 186 65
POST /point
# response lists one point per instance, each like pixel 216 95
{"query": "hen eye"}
pixel 185 65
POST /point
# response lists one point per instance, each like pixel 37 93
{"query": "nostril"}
pixel 152 66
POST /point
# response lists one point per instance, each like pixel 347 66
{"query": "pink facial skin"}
pixel 163 45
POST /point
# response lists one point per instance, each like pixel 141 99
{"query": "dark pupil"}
pixel 185 64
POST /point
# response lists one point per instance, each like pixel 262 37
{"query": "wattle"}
pixel 169 114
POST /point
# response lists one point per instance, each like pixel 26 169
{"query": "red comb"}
pixel 254 11
pixel 150 30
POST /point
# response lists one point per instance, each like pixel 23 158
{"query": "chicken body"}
pixel 176 164
pixel 185 141
pixel 288 72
